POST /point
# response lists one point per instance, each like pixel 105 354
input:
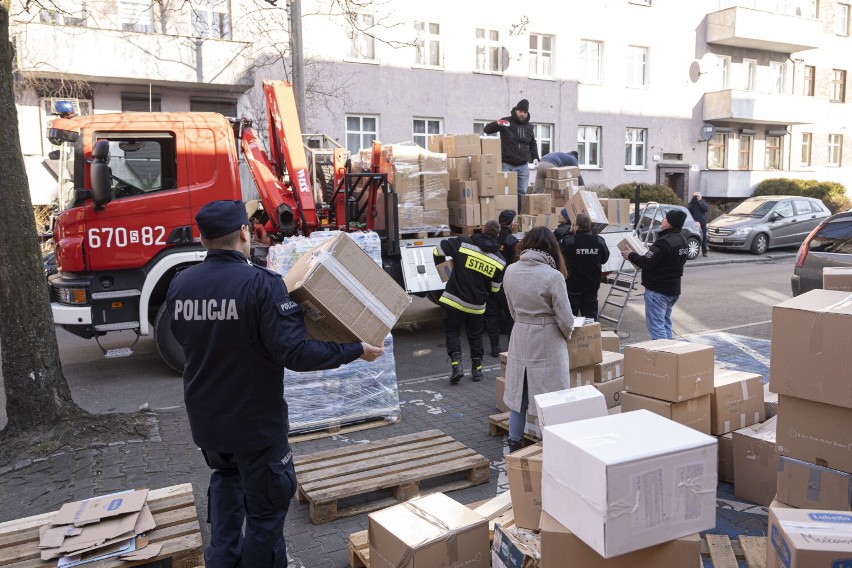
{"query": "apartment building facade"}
pixel 710 95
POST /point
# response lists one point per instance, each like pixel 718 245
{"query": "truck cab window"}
pixel 141 165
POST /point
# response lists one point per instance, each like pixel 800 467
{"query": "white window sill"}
pixel 543 77
pixel 497 73
pixel 428 67
pixel 590 168
pixel 635 168
pixel 356 60
pixel 639 87
pixel 591 82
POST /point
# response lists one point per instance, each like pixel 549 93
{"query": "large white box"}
pixel 628 481
pixel 568 405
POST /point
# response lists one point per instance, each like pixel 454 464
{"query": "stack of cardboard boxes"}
pixel 478 188
pixel 421 182
pixel 562 183
pixel 671 378
pixel 811 372
pixel 537 211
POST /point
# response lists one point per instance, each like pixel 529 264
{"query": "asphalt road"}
pixel 737 295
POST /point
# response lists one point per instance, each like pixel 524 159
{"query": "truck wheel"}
pixel 167 346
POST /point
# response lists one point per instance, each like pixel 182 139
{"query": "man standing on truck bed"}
pixel 239 329
pixel 477 272
pixel 517 143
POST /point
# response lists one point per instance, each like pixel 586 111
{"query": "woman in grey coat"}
pixel 538 348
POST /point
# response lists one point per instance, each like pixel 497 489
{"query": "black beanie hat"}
pixel 506 217
pixel 676 218
pixel 523 105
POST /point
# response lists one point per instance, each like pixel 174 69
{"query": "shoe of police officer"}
pixel 457 370
pixel 476 369
pixel 495 345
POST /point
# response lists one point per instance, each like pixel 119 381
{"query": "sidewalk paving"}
pixel 168 457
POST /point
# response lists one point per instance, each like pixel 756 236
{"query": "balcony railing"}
pixel 45 50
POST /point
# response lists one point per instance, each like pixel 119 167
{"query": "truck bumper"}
pixel 71 315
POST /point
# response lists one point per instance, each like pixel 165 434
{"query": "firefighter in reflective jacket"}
pixel 239 329
pixel 478 270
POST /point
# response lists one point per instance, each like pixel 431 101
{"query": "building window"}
pixel 139 102
pixel 589 146
pixel 807 145
pixel 591 60
pixel 363 44
pixel 835 145
pixel 773 152
pixel 63 13
pixel 428 44
pixel 838 85
pixel 716 149
pixel 422 128
pixel 776 77
pixel 637 66
pixel 361 130
pixel 724 72
pixel 744 75
pixel 841 21
pixel 211 19
pixel 225 107
pixel 810 75
pixel 809 9
pixel 544 138
pixel 136 16
pixel 487 51
pixel 634 150
pixel 541 55
pixel 744 152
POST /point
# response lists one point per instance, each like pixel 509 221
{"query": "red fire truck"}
pixel 135 182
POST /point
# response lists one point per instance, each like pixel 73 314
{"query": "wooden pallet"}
pixel 340 429
pixel 498 425
pixel 724 552
pixel 423 234
pixel 495 509
pixel 177 530
pixel 467 231
pixel 397 464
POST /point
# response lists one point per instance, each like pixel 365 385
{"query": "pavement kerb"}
pixel 744 260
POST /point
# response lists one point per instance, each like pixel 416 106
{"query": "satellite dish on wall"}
pixel 708 63
pixel 707 132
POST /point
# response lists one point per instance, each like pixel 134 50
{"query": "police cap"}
pixel 219 218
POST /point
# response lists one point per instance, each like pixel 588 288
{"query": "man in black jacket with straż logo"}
pixel 585 253
pixel 662 270
pixel 517 143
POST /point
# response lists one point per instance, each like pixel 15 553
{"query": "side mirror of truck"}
pixel 101 174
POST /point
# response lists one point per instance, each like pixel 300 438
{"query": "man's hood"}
pixel 485 242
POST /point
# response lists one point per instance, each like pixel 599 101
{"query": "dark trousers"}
pixel 474 323
pixel 584 304
pixel 497 317
pixel 255 487
pixel 703 237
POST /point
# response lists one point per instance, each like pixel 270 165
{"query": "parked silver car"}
pixel 761 223
pixel 829 245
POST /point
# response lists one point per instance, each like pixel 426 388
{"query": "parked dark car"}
pixel 49 263
pixel 691 229
pixel 829 245
pixel 761 223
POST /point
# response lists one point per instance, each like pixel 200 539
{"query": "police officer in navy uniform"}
pixel 585 253
pixel 239 329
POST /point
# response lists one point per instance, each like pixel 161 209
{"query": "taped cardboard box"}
pixel 526 222
pixel 770 401
pixel 523 468
pixel 736 401
pixel 632 243
pixel 426 532
pixel 436 187
pixel 436 219
pixel 755 462
pixel 464 214
pixel 345 295
pixel 515 548
pixel 406 184
pixel 584 347
pixel 694 413
pixel 808 538
pixel 726 457
pixel 433 162
pixel 559 173
pixel 668 369
pixel 666 471
pixel 492 145
pixel 458 145
pixel 536 203
pixel 445 269
pixel 809 486
pixel 504 360
pixel 463 191
pixel 503 202
pixel 499 391
pixel 549 220
pixel 818 368
pixel 837 278
pixel 581 376
pixel 611 391
pixel 610 341
pixel 485 169
pixel 611 367
pixel 617 211
pixel 488 209
pixel 815 432
pixel 587 202
pixel 459 168
pixel 568 405
pixel 531 426
pixel 508 184
pixel 560 548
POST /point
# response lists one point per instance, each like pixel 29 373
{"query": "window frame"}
pixel 361 132
pixel 488 52
pixel 718 146
pixel 424 42
pixel 635 145
pixel 774 87
pixel 838 86
pixel 809 80
pixel 585 61
pixel 745 150
pixel 62 13
pixel 538 55
pixel 631 62
pixel 211 8
pixel 356 36
pixel 426 120
pixel 584 145
pixel 725 71
pixel 844 31
pixel 154 101
pixel 806 155
pixel 541 139
pixel 773 151
pixel 835 150
pixel 748 70
pixel 133 26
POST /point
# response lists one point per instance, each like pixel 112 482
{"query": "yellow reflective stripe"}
pixel 496 285
pixel 486 259
pixel 456 305
pixel 437 251
pixel 495 290
pixel 473 250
